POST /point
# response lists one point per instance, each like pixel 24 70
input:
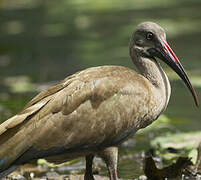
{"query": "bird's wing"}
pixel 77 112
pixel 93 109
pixel 35 105
pixel 19 118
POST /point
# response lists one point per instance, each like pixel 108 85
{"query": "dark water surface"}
pixel 42 42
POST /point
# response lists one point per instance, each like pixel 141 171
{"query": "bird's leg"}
pixel 89 172
pixel 110 156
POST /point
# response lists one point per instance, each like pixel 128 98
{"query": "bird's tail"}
pixel 16 137
pixel 13 143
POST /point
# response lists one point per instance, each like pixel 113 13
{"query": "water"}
pixel 45 41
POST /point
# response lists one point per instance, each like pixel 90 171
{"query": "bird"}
pixel 91 112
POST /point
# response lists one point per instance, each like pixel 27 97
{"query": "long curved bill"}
pixel 169 57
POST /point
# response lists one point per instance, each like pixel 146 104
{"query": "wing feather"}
pixel 34 105
pixel 19 118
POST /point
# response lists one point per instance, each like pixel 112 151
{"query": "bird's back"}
pixel 90 110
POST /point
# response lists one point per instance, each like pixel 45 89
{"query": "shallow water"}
pixel 44 41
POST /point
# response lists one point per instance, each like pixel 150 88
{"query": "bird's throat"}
pixel 152 70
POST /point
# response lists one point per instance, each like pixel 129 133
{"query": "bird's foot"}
pixel 88 176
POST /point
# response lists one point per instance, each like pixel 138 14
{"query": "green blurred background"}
pixel 43 41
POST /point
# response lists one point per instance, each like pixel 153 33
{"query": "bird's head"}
pixel 149 41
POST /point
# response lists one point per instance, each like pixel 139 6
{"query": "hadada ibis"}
pixel 93 111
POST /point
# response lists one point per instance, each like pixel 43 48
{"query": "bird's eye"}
pixel 149 36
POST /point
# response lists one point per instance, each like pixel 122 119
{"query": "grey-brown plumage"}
pixel 91 112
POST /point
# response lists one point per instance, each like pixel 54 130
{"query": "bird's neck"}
pixel 152 71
